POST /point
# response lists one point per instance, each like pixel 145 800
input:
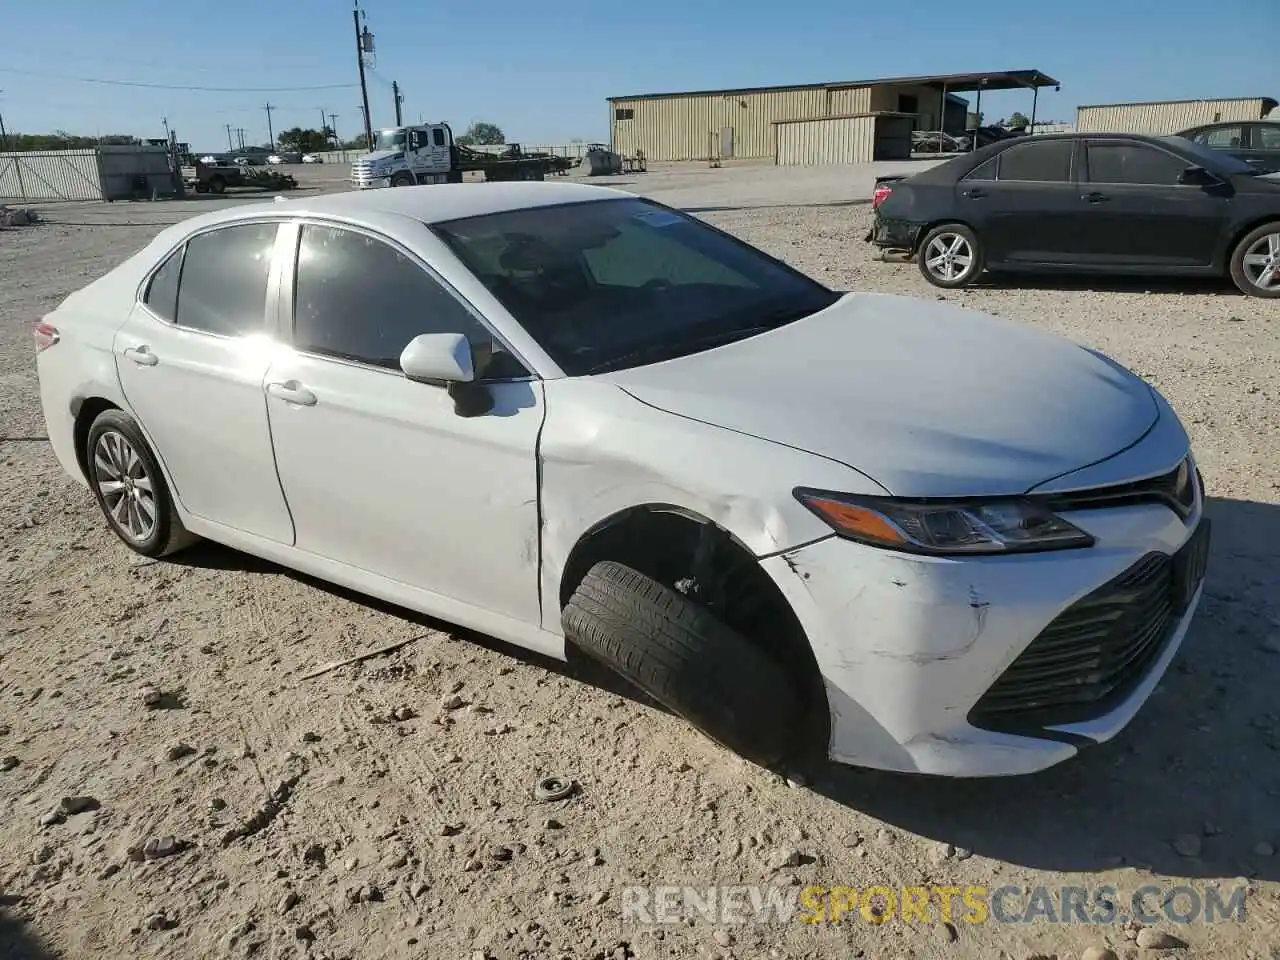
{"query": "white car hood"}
pixel 925 398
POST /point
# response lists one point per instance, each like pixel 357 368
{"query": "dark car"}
pixel 1256 142
pixel 1087 203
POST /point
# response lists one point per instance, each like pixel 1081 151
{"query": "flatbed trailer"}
pixel 427 154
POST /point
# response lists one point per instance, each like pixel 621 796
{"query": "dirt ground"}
pixel 384 809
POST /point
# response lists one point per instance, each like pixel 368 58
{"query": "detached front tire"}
pixel 689 661
pixel 130 488
pixel 950 256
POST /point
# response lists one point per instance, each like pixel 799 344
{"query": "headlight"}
pixel 944 527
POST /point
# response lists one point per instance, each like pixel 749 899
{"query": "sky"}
pixel 542 70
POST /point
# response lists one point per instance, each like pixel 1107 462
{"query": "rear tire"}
pixel 1258 252
pixel 950 256
pixel 130 488
pixel 688 660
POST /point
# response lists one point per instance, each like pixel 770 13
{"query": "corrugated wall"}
pixel 1163 118
pixel 835 140
pixel 689 127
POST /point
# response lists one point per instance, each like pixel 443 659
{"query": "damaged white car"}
pixel 881 530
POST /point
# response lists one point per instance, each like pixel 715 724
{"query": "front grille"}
pixel 1175 489
pixel 1095 652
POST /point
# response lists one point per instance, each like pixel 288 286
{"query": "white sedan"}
pixel 878 529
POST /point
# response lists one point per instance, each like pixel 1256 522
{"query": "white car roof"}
pixel 426 204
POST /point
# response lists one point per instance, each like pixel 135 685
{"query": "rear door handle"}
pixel 142 356
pixel 293 392
pixel 1095 197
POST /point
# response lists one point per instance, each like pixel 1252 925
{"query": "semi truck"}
pixel 427 153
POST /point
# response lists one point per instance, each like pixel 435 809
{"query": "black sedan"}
pixel 1087 203
pixel 1256 142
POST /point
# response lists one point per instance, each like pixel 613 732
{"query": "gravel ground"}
pixel 384 810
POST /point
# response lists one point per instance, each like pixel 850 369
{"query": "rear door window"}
pixel 224 279
pixel 1046 161
pixel 161 297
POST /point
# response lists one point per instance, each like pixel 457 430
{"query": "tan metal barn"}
pixel 1167 116
pixel 744 123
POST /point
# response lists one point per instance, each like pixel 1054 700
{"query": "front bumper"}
pixel 893 234
pixel 915 652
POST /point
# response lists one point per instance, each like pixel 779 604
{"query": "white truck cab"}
pixel 402 156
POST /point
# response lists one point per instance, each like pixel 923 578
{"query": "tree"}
pixel 482 133
pixel 62 140
pixel 305 140
pixel 1019 120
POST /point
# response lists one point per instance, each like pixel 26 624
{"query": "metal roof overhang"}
pixel 954 83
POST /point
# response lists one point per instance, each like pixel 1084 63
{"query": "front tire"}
pixel 688 660
pixel 130 488
pixel 1255 262
pixel 217 185
pixel 950 256
pixel 403 179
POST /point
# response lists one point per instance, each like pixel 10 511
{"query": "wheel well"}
pixel 85 415
pixel 1245 230
pixel 694 556
pixel 924 231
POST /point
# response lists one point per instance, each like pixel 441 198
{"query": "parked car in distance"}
pixel 1087 203
pixel 577 420
pixel 312 158
pixel 1256 142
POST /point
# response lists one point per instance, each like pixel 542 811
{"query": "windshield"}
pixel 610 284
pixel 388 140
pixel 1215 160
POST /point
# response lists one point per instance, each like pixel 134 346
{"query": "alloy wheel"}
pixel 1262 262
pixel 127 489
pixel 949 257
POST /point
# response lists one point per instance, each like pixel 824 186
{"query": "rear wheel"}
pixel 129 487
pixel 688 660
pixel 950 256
pixel 1255 262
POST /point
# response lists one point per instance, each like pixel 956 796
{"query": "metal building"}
pixel 1167 116
pixel 746 123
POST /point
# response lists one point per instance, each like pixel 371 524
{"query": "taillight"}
pixel 880 195
pixel 46 336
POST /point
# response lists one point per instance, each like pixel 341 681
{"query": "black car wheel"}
pixel 403 179
pixel 950 256
pixel 1255 262
pixel 689 660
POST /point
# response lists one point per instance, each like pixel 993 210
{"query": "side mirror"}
pixel 446 358
pixel 1196 177
pixel 438 358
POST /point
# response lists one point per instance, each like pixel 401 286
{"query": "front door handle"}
pixel 976 193
pixel 1095 197
pixel 142 356
pixel 293 392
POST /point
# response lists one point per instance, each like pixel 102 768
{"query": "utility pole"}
pixel 165 121
pixel 395 90
pixel 271 134
pixel 364 44
pixel 230 145
pixel 240 136
pixel 333 125
pixel 4 137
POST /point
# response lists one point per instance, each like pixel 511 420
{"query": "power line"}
pixel 170 86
